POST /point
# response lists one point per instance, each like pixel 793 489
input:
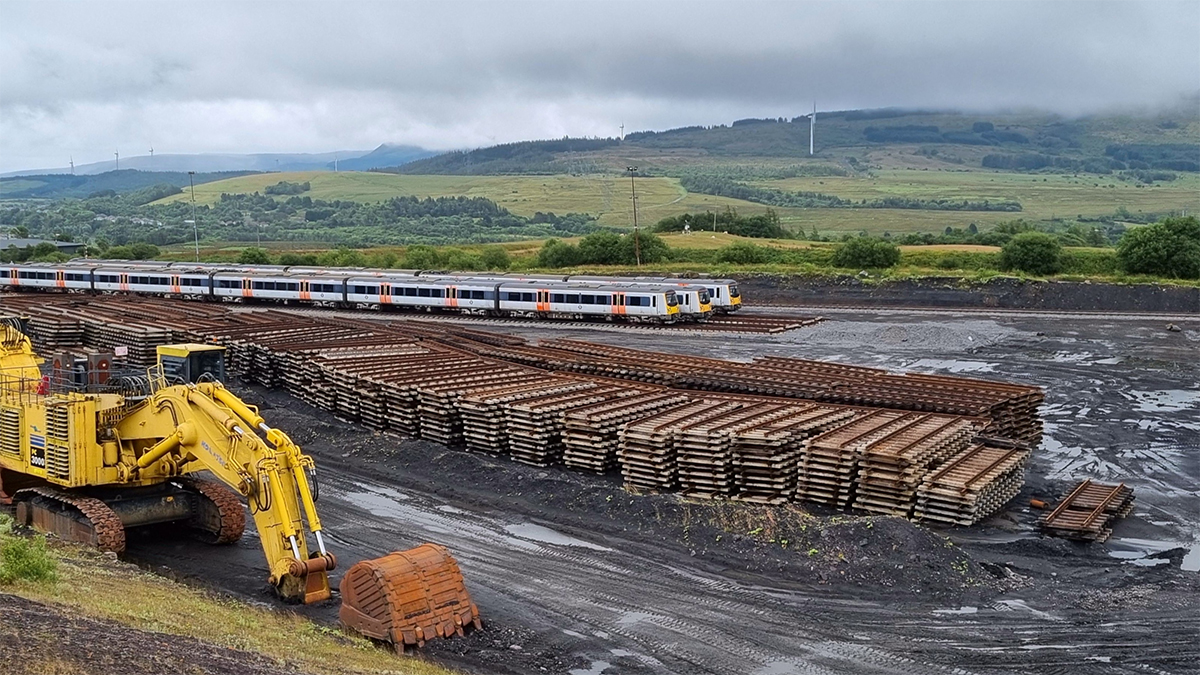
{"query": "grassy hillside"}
pixel 1042 197
pixel 57 186
pixel 607 197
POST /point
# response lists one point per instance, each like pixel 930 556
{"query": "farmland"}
pixel 1042 197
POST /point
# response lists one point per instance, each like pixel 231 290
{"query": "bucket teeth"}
pixel 407 597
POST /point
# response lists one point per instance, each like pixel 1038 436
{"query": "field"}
pixel 1043 197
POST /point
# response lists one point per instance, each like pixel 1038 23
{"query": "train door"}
pixel 123 281
pixel 543 301
pixel 618 303
pixel 14 277
pixel 247 288
pixel 385 294
pixel 60 279
pixel 452 296
pixel 175 285
pixel 305 290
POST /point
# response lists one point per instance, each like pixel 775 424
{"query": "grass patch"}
pixel 96 587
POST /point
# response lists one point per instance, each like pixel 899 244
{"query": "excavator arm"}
pixel 185 428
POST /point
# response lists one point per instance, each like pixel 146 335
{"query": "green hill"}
pixel 57 186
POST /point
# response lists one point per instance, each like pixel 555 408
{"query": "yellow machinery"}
pixel 86 465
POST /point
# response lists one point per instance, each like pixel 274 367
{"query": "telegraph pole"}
pixel 195 227
pixel 637 243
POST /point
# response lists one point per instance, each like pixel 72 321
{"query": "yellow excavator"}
pixel 86 454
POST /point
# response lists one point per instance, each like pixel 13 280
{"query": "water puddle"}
pixel 1166 400
pixel 1022 606
pixel 966 609
pixel 952 365
pixel 596 668
pixel 573 634
pixel 546 535
pixel 630 618
pixel 1143 552
pixel 446 508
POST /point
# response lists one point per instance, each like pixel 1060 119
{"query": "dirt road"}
pixel 574 576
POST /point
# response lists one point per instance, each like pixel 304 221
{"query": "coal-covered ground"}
pixel 574 575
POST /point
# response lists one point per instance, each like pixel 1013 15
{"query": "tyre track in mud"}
pixel 675 618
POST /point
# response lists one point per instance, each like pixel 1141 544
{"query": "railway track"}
pixel 1088 511
pixel 728 323
pixel 767 310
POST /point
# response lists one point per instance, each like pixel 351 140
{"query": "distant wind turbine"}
pixel 117 154
pixel 151 155
pixel 72 165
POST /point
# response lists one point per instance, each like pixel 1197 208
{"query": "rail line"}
pixel 1088 511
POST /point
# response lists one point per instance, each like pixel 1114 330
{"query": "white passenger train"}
pixel 491 295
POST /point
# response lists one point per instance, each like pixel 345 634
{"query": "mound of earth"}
pixel 36 638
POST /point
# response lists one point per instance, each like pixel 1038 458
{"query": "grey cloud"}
pixel 80 78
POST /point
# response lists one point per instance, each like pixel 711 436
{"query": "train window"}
pixel 733 290
pixel 423 292
pixel 557 297
pixel 410 292
pixel 587 299
pixel 477 295
pixel 438 293
pixel 512 297
pixel 527 297
pixel 360 290
pixel 653 301
pixel 572 299
pixel 292 286
pixel 672 300
pixel 464 294
pixel 372 290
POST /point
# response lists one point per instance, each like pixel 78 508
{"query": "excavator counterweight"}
pixel 86 458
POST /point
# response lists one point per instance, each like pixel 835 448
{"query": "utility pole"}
pixel 714 222
pixel 195 227
pixel 637 243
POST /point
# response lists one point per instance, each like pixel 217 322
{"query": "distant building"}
pixel 19 243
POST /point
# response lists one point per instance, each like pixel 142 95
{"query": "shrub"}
pixel 290 259
pixel 342 257
pixel 555 253
pixel 1169 248
pixel 744 253
pixel 26 558
pixel 495 258
pixel 866 252
pixel 458 259
pixel 137 251
pixel 421 258
pixel 254 256
pixel 650 248
pixel 602 247
pixel 1032 252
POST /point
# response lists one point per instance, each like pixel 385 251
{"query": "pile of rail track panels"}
pixel 1087 513
pixel 591 434
pixel 769 431
pixel 972 485
pixel 1012 409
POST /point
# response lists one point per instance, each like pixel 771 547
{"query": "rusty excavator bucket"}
pixel 407 597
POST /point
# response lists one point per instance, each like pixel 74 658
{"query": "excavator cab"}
pixel 192 363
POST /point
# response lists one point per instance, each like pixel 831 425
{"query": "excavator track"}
pixel 96 524
pixel 232 515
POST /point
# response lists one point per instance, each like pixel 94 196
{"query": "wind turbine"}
pixel 117 154
pixel 72 165
pixel 812 129
pixel 151 154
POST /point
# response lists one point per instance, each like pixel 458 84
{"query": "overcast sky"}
pixel 82 78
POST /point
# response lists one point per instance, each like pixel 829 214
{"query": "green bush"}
pixel 951 260
pixel 600 248
pixel 291 259
pixel 651 248
pixel 1090 262
pixel 421 258
pixel 26 558
pixel 254 256
pixel 137 251
pixel 745 253
pixel 1169 248
pixel 458 259
pixel 555 253
pixel 495 258
pixel 342 257
pixel 1032 252
pixel 866 252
